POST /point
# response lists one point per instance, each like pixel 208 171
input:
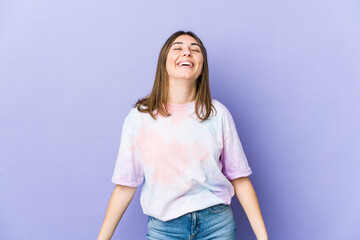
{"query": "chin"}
pixel 189 76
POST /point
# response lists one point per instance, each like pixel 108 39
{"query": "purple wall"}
pixel 288 71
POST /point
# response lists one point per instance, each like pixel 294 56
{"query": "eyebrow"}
pixel 182 43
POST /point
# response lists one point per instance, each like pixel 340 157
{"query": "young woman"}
pixel 185 147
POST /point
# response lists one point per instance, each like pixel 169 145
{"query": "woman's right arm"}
pixel 119 201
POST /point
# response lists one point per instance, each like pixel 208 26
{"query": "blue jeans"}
pixel 215 222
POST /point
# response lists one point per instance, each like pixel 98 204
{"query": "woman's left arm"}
pixel 246 195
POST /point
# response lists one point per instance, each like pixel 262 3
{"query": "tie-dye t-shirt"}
pixel 185 165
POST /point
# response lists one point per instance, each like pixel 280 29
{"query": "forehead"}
pixel 185 39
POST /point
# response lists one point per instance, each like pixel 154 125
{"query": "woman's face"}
pixel 184 60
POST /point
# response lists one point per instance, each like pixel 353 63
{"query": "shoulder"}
pixel 133 113
pixel 220 107
pixel 225 115
pixel 133 118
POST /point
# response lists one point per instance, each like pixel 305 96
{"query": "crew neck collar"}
pixel 181 105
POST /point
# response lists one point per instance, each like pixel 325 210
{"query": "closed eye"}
pixel 192 50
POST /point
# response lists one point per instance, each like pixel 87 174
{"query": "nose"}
pixel 186 52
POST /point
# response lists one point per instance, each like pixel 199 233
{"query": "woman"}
pixel 184 144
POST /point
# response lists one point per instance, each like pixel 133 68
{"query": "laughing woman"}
pixel 184 146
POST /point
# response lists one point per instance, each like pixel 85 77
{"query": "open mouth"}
pixel 186 64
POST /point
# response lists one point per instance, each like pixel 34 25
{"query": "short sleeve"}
pixel 233 157
pixel 128 167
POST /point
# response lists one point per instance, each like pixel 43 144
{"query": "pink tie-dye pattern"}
pixel 178 117
pixel 168 160
pixel 180 159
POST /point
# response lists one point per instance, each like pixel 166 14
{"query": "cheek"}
pixel 201 63
pixel 170 60
pixel 167 64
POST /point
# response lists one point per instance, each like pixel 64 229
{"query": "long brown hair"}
pixel 157 99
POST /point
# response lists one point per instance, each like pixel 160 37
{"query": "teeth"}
pixel 185 64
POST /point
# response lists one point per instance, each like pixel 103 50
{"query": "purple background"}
pixel 288 71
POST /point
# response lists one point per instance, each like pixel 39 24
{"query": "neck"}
pixel 181 91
